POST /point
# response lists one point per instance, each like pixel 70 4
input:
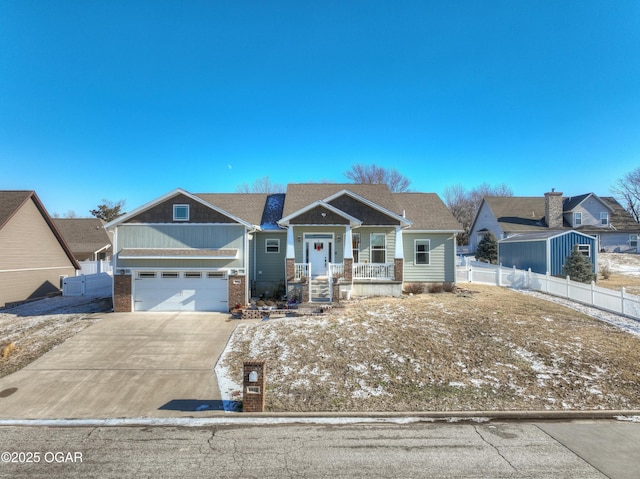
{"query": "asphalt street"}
pixel 559 449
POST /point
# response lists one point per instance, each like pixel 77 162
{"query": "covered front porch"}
pixel 321 265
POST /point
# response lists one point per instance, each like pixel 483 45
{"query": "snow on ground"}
pixel 621 263
pixel 630 325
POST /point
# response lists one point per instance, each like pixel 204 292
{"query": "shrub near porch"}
pixel 490 349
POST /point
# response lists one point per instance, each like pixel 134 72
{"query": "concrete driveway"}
pixel 127 365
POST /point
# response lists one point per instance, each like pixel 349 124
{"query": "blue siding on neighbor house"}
pixel 524 255
pixel 561 246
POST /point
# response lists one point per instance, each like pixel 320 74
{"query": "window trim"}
pixel 604 218
pixel 177 217
pixel 577 218
pixel 633 242
pixel 581 248
pixel 383 249
pixel 427 252
pixel 267 246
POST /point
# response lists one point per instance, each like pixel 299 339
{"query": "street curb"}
pixel 335 418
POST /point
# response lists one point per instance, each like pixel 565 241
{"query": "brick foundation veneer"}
pixel 122 301
pixel 237 291
pixel 398 266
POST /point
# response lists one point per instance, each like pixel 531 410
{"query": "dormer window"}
pixel 180 212
pixel 577 219
pixel 604 218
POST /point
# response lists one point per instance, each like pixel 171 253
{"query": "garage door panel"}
pixel 187 292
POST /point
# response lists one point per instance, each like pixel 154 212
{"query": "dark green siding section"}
pixel 270 267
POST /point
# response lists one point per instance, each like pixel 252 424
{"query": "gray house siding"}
pixel 590 210
pixel 617 242
pixel 269 271
pixel 182 236
pixel 441 265
pixel 485 220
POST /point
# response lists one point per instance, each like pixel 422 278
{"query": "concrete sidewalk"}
pixel 127 365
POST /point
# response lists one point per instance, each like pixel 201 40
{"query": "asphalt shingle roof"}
pixel 83 235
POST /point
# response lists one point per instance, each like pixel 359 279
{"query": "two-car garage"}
pixel 180 290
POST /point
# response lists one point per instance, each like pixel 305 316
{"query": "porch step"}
pixel 320 290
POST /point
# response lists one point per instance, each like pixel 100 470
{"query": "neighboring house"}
pixel 316 242
pixel 601 217
pixel 86 237
pixel 546 251
pixel 34 258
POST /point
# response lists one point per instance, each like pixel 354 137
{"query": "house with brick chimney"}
pixel 601 217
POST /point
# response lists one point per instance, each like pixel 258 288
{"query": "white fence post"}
pixel 568 287
pixel 622 294
pixel 593 293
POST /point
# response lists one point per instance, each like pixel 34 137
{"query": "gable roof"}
pixel 258 209
pixel 527 214
pixel 12 201
pixel 427 212
pixel 171 194
pixel 517 213
pixel 300 195
pixel 572 202
pixel 83 235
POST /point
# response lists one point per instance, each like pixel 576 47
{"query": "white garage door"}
pixel 180 291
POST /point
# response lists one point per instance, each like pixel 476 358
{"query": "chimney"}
pixel 553 209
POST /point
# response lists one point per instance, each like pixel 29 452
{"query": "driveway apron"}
pixel 127 365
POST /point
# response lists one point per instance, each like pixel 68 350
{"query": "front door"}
pixel 318 250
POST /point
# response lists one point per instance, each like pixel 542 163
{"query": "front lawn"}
pixel 485 348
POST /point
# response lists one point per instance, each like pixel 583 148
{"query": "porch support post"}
pixel 399 244
pixel 398 262
pixel 291 250
pixel 348 243
pixel 348 255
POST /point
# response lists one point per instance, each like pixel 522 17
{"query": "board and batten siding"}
pixel 561 247
pixel 524 255
pixel 31 257
pixel 270 267
pixel 441 267
pixel 181 236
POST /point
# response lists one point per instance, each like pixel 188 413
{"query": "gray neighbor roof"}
pixel 426 211
pixel 83 235
pixel 526 214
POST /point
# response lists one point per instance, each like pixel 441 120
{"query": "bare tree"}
pixel 70 214
pixel 627 189
pixel 261 185
pixel 376 175
pixel 464 204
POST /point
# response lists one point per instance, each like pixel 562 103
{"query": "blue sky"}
pixel 131 99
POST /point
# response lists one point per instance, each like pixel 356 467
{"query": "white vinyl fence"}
pixel 94 267
pixel 87 285
pixel 619 302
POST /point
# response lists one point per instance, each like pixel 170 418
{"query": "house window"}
pixel 633 241
pixel 422 251
pixel 180 212
pixel 378 247
pixel 355 246
pixel 585 249
pixel 577 219
pixel 272 245
pixel 604 218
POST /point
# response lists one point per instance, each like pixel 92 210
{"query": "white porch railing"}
pixel 336 270
pixel 383 271
pixel 302 269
